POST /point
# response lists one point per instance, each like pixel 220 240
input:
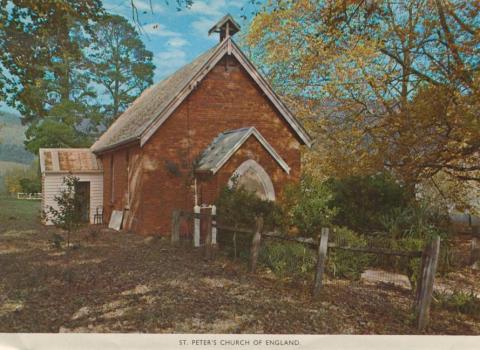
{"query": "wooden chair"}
pixel 98 216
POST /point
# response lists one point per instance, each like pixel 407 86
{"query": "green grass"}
pixel 19 214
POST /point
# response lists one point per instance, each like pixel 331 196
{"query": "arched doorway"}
pixel 253 178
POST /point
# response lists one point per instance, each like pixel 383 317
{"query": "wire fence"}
pixel 398 268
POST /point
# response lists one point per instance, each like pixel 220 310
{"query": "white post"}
pixel 214 225
pixel 196 226
pixel 195 191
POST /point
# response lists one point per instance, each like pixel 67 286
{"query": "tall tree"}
pixel 41 53
pixel 39 48
pixel 119 62
pixel 393 84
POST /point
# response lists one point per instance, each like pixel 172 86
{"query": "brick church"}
pixel 186 137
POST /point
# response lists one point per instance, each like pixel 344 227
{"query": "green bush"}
pixel 362 201
pixel 459 301
pixel 243 244
pixel 344 263
pixel 238 207
pixel 288 259
pixel 418 219
pixel 307 206
pixel 31 185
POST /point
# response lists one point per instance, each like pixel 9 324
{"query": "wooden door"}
pixel 82 192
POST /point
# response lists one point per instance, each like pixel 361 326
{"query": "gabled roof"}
pixel 69 160
pixel 149 111
pixel 227 143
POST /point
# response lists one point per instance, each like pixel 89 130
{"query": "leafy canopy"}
pixel 381 84
pixel 119 62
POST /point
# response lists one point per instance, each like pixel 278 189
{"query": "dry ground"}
pixel 119 282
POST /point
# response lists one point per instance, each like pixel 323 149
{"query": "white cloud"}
pixel 202 26
pixel 169 61
pixel 237 4
pixel 158 29
pixel 177 42
pixel 209 8
pixel 208 13
pixel 145 6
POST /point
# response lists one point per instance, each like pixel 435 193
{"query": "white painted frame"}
pixel 265 179
pixel 253 131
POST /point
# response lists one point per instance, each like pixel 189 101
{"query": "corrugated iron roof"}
pixel 69 160
pixel 227 143
pixel 130 125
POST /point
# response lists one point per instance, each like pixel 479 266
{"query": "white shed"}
pixel 56 163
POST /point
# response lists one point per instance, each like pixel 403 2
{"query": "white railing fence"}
pixel 21 195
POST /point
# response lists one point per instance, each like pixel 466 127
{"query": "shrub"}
pixel 288 259
pixel 31 185
pixel 307 206
pixel 418 219
pixel 238 207
pixel 344 263
pixel 361 201
pixel 242 247
pixel 67 215
pixel 459 301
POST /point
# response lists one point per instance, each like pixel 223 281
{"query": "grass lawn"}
pixel 19 214
pixel 119 282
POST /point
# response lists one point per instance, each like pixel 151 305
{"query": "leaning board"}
pixel 116 220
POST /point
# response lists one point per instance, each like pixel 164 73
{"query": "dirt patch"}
pixel 120 282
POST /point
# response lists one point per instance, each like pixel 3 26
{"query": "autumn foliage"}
pixel 390 85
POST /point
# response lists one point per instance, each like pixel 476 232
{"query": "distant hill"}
pixel 12 135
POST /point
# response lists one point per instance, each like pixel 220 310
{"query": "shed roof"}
pixel 148 112
pixel 69 160
pixel 227 143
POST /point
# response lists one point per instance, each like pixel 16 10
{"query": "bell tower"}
pixel 226 27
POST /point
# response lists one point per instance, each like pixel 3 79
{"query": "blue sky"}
pixel 177 37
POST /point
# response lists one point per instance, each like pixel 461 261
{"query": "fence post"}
pixel 196 226
pixel 234 238
pixel 421 276
pixel 428 279
pixel 475 255
pixel 208 241
pixel 322 257
pixel 257 237
pixel 175 227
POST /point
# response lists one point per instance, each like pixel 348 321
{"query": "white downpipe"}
pixel 214 225
pixel 196 226
pixel 195 190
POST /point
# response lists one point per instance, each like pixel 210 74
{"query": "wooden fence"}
pixel 426 276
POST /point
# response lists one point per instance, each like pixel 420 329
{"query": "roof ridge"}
pixel 141 120
pixel 122 120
